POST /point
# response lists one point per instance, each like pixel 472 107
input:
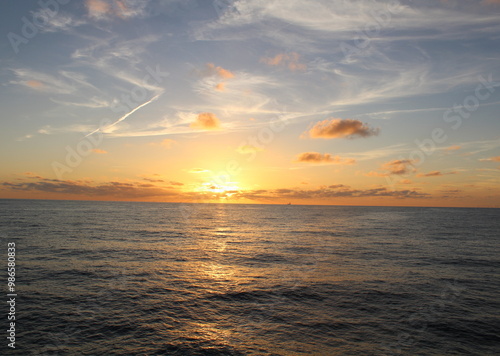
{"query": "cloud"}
pixel 157 180
pixel 215 77
pixel 206 121
pixel 106 9
pixel 48 130
pixel 99 151
pixel 435 174
pixel 32 175
pixel 288 60
pixel 490 2
pixel 94 102
pixel 322 29
pixel 453 148
pixel 326 158
pixel 341 128
pixel 61 22
pixel 138 190
pixel 245 149
pixel 166 143
pixel 120 190
pixel 327 192
pixel 119 60
pixel 219 72
pixel 97 8
pixel 151 180
pixel 451 191
pixel 376 174
pixel 493 159
pixel 199 170
pixel 35 84
pixel 43 82
pixel 399 167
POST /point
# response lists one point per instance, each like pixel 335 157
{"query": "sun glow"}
pixel 225 190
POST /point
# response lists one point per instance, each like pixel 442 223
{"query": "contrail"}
pixel 127 114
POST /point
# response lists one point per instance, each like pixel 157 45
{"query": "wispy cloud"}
pixel 94 103
pixel 119 59
pixel 52 84
pixel 63 87
pixel 492 159
pixel 382 152
pixel 61 22
pixel 79 128
pixel 342 18
pixel 321 29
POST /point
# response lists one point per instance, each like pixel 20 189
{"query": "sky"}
pixel 329 102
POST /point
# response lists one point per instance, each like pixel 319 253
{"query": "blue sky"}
pixel 153 69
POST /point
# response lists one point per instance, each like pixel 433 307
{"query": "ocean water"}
pixel 121 278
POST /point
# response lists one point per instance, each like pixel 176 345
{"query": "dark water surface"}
pixel 112 278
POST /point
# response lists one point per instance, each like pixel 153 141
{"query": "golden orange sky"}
pixel 106 102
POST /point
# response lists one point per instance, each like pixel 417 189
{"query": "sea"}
pixel 132 278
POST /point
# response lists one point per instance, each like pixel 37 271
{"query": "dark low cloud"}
pixel 141 190
pixel 123 190
pixel 333 191
pixel 153 180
